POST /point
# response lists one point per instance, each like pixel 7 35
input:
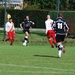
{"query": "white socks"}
pixel 60 47
pixel 25 41
pixel 59 53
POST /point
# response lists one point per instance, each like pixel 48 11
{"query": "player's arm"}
pixel 11 28
pixel 46 27
pixel 67 28
pixel 54 26
pixel 21 26
pixel 32 22
pixel 6 28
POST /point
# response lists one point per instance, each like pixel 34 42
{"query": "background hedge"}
pixel 39 17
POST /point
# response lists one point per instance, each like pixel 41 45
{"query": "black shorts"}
pixel 60 38
pixel 26 30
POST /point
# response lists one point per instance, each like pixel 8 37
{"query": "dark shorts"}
pixel 26 30
pixel 60 38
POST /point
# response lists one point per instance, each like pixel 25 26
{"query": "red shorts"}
pixel 50 33
pixel 11 34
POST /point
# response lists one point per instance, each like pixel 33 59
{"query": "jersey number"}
pixel 59 25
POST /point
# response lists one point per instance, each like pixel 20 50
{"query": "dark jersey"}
pixel 60 26
pixel 26 24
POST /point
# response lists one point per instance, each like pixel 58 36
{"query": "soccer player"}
pixel 61 28
pixel 25 25
pixel 10 31
pixel 50 32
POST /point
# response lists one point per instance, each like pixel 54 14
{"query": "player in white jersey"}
pixel 10 31
pixel 50 32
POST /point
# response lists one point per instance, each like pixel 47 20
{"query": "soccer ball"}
pixel 64 51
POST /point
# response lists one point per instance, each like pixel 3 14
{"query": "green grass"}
pixel 38 58
pixel 35 60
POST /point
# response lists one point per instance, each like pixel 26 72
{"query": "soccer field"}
pixel 35 60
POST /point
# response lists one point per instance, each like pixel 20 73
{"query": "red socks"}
pixel 7 39
pixel 51 43
pixel 11 41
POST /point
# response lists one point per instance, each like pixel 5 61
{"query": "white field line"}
pixel 36 67
pixel 38 72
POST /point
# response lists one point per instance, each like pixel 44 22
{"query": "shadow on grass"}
pixel 45 56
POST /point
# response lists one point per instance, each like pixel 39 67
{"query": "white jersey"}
pixel 48 24
pixel 8 26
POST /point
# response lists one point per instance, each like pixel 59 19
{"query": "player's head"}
pixel 27 17
pixel 48 16
pixel 60 15
pixel 10 19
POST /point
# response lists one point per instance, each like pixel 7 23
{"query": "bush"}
pixel 39 17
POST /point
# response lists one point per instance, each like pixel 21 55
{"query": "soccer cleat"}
pixel 24 44
pixel 56 45
pixel 52 46
pixel 64 50
pixel 4 41
pixel 59 57
pixel 11 44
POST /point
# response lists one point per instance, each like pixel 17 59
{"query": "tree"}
pixel 52 4
pixel 72 4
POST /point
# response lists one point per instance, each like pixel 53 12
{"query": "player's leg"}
pixel 63 50
pixel 11 41
pixel 8 38
pixel 54 38
pixel 51 42
pixel 12 38
pixel 59 45
pixel 26 38
pixel 50 39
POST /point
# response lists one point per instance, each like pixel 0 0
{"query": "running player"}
pixel 10 31
pixel 50 32
pixel 25 25
pixel 61 28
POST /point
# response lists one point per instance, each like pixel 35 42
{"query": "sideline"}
pixel 32 29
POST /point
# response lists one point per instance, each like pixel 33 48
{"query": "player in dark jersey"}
pixel 61 29
pixel 25 25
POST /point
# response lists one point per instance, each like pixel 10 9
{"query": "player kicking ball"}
pixel 61 28
pixel 25 25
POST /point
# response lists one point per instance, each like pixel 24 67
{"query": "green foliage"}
pixel 52 4
pixel 1 17
pixel 38 16
pixel 44 4
pixel 32 7
pixel 72 4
